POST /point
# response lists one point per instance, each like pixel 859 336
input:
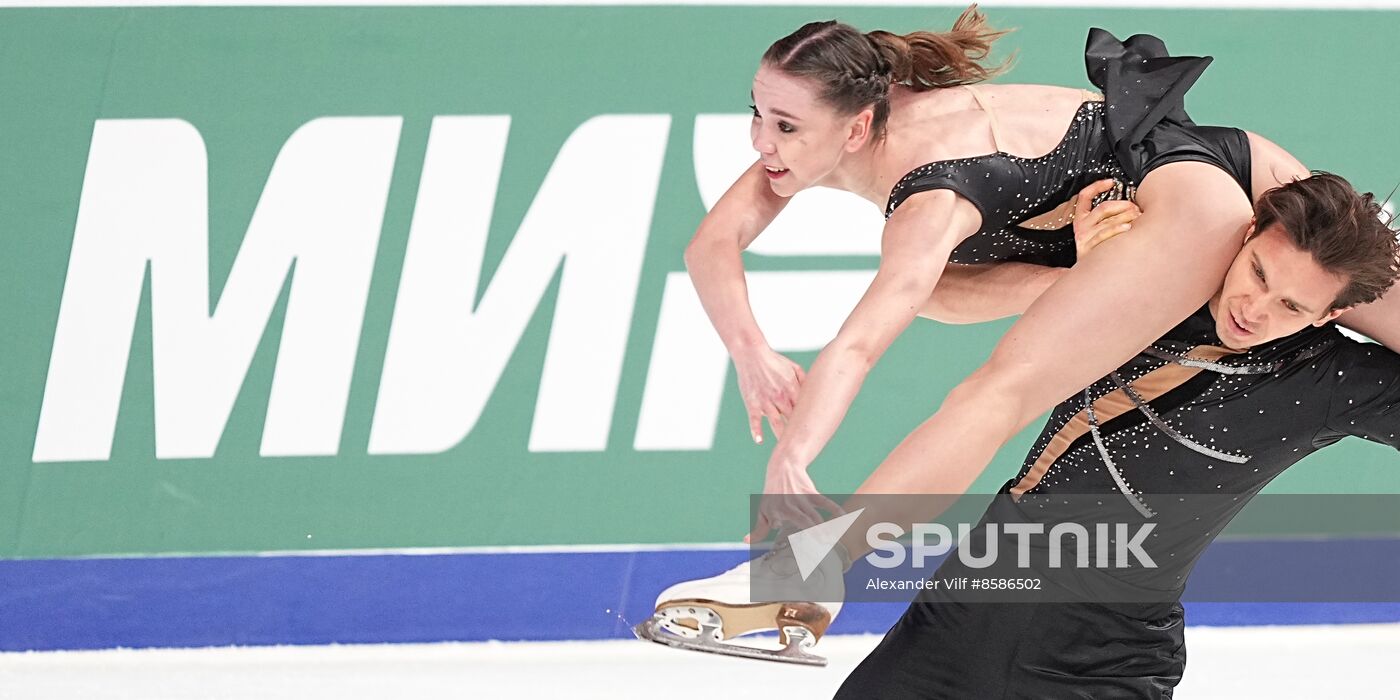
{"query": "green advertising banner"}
pixel 331 278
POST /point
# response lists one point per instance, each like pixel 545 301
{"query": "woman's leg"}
pixel 1096 317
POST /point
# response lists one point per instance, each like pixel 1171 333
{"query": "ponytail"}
pixel 854 70
pixel 928 60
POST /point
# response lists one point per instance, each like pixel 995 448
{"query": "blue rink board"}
pixel 347 599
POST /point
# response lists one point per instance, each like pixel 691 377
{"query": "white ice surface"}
pixel 1350 661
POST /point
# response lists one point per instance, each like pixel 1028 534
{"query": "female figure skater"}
pixel 956 166
pixel 901 121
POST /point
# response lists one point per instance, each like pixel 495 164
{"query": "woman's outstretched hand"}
pixel 1094 225
pixel 790 502
pixel 769 383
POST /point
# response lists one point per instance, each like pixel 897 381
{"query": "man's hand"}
pixel 791 502
pixel 1109 219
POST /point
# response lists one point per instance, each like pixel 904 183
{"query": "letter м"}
pixel 145 201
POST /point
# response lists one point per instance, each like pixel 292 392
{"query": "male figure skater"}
pixel 1248 385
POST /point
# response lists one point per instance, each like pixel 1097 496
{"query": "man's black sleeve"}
pixel 1366 397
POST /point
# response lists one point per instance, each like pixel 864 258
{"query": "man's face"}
pixel 1273 289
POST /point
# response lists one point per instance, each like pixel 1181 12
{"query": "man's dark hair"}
pixel 1344 230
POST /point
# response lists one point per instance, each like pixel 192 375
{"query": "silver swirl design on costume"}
pixel 1171 432
pixel 1108 462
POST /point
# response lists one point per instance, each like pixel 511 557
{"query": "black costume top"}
pixel 1187 432
pixel 1105 632
pixel 1140 126
pixel 1247 416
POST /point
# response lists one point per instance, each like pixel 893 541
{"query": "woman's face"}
pixel 799 139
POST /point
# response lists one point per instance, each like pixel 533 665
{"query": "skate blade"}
pixel 790 654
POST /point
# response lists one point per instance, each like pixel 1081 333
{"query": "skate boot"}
pixel 768 593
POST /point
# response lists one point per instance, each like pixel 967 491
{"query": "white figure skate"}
pixel 707 614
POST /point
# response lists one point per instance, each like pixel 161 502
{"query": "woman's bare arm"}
pixel 914 252
pixel 768 381
pixel 977 293
pixel 713 256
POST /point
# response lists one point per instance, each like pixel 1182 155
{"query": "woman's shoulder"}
pixel 961 98
pixel 959 123
pixel 1028 95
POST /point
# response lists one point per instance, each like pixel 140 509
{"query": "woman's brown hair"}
pixel 856 68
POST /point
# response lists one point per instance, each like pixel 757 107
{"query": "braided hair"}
pixel 856 69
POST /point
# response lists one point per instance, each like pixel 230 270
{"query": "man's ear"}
pixel 1249 232
pixel 1330 316
pixel 859 132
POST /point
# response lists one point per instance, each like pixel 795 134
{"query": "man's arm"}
pixel 1366 399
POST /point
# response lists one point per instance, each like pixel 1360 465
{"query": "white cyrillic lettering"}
pixel 145 201
pixel 447 350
